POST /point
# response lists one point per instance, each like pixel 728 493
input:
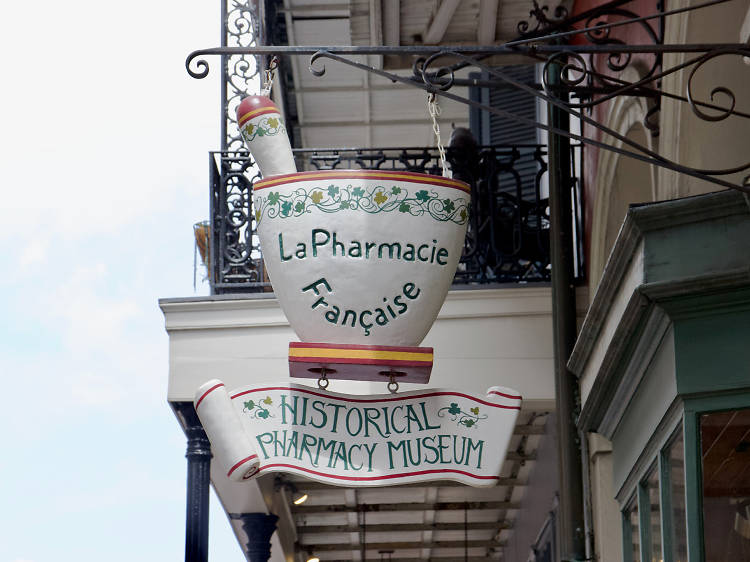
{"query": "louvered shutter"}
pixel 492 130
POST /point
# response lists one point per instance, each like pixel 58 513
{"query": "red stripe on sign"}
pixel 376 478
pixel 305 345
pixel 318 360
pixel 369 400
pixel 256 113
pixel 513 396
pixel 243 461
pixel 210 390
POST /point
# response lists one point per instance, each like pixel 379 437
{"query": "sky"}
pixel 104 142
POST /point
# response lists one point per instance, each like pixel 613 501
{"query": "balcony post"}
pixel 259 528
pixel 564 328
pixel 198 477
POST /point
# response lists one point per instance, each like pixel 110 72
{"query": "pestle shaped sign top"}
pixel 361 256
pixel 263 129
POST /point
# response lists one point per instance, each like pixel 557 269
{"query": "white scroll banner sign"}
pixel 356 440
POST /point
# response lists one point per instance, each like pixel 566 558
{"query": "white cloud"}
pixel 34 253
pixel 104 142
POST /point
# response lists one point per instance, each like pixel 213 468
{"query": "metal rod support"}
pixel 564 329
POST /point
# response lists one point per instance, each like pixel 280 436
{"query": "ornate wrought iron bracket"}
pixel 440 81
pixel 589 72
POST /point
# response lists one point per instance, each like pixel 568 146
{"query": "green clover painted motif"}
pixel 356 198
pixel 258 409
pixel 467 419
pixel 422 196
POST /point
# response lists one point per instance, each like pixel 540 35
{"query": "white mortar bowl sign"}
pixel 361 256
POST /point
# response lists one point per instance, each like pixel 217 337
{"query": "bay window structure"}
pixel 664 370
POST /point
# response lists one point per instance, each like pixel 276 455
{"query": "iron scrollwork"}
pixel 543 22
pixel 508 233
pixel 236 260
pixel 239 71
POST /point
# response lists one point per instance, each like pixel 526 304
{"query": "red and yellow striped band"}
pixel 387 175
pixel 257 112
pixel 360 354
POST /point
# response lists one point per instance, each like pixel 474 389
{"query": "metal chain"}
pixel 269 74
pixel 434 110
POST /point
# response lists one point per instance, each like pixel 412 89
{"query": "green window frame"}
pixel 694 407
pixel 669 524
pixel 657 465
pixel 628 531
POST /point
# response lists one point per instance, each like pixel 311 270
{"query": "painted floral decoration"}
pixel 264 127
pixel 461 417
pixel 377 199
pixel 258 409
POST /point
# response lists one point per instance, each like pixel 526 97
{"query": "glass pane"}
pixel 652 490
pixel 635 539
pixel 676 460
pixel 725 447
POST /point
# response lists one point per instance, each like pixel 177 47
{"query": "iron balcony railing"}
pixel 508 234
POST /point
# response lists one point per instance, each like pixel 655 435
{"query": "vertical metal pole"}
pixel 570 518
pixel 262 39
pixel 224 71
pixel 198 478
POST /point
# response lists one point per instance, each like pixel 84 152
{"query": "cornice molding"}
pixel 606 383
pixel 651 309
pixel 640 220
pixel 235 311
pixel 623 252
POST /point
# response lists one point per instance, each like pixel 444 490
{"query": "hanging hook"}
pixel 268 75
pixel 323 381
pixel 392 384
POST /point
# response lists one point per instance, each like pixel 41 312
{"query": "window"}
pixel 651 515
pixel 631 531
pixel 674 459
pixel 654 522
pixel 725 471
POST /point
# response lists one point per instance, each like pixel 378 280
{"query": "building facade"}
pixel 661 270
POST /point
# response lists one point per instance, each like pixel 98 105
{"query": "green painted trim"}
pixel 693 487
pixel 665 503
pixel 716 402
pixel 712 352
pixel 644 518
pixel 627 536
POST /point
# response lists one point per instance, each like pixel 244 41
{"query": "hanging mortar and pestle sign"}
pixel 360 260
